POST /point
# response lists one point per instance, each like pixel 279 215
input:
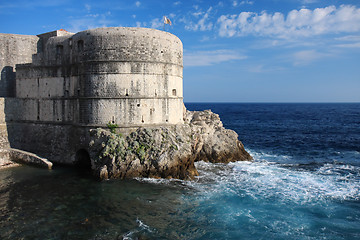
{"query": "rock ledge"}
pixel 165 152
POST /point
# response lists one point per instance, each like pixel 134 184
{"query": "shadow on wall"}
pixel 59 143
pixel 7 82
pixel 24 122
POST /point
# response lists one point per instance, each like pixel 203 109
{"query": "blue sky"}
pixel 234 51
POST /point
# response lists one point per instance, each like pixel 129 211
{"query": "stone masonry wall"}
pixel 14 49
pixel 128 76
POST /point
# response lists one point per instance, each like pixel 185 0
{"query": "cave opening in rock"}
pixel 82 160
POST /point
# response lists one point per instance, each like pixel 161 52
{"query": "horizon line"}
pixel 278 102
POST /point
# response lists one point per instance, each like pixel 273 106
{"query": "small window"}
pixel 59 50
pixel 174 92
pixel 80 45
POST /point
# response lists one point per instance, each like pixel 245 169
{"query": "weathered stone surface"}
pixel 14 49
pixel 158 152
pixel 214 143
pixel 5 159
pixel 20 156
pixel 165 152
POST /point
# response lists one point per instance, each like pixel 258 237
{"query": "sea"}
pixel 304 183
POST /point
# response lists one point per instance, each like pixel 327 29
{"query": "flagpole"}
pixel 164 20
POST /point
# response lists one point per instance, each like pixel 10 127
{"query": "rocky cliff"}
pixel 165 152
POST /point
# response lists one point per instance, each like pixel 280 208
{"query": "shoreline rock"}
pixel 166 151
pixel 23 157
pixel 11 157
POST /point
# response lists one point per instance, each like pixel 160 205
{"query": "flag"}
pixel 167 20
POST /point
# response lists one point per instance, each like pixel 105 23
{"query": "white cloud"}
pixel 197 14
pixel 208 58
pixel 349 45
pixel 247 2
pixel 140 24
pixel 203 24
pixel 237 3
pixel 349 38
pixel 89 21
pixel 309 1
pixel 87 7
pixel 308 56
pixel 177 3
pixel 156 23
pixel 350 41
pixel 137 3
pixel 261 68
pixel 204 39
pixel 298 23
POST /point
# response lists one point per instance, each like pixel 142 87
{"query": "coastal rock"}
pixel 20 156
pixel 166 151
pixel 10 157
pixel 212 141
pixel 161 152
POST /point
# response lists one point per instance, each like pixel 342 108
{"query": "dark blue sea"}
pixel 304 183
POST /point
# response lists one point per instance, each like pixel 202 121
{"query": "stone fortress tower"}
pixel 65 84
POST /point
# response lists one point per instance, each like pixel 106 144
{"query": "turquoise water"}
pixel 304 184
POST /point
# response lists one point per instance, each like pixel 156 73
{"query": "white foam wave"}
pixel 154 180
pixel 262 180
pixel 172 182
pixel 266 178
pixel 142 227
pixel 260 156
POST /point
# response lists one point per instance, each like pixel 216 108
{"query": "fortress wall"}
pixel 97 83
pixel 132 85
pixel 14 49
pixel 121 67
pixel 95 112
pixel 106 98
pixel 128 45
pixel 58 143
pixel 51 111
pixel 3 129
pixel 141 68
pixel 128 76
pixel 111 73
pixel 129 112
pixel 51 87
